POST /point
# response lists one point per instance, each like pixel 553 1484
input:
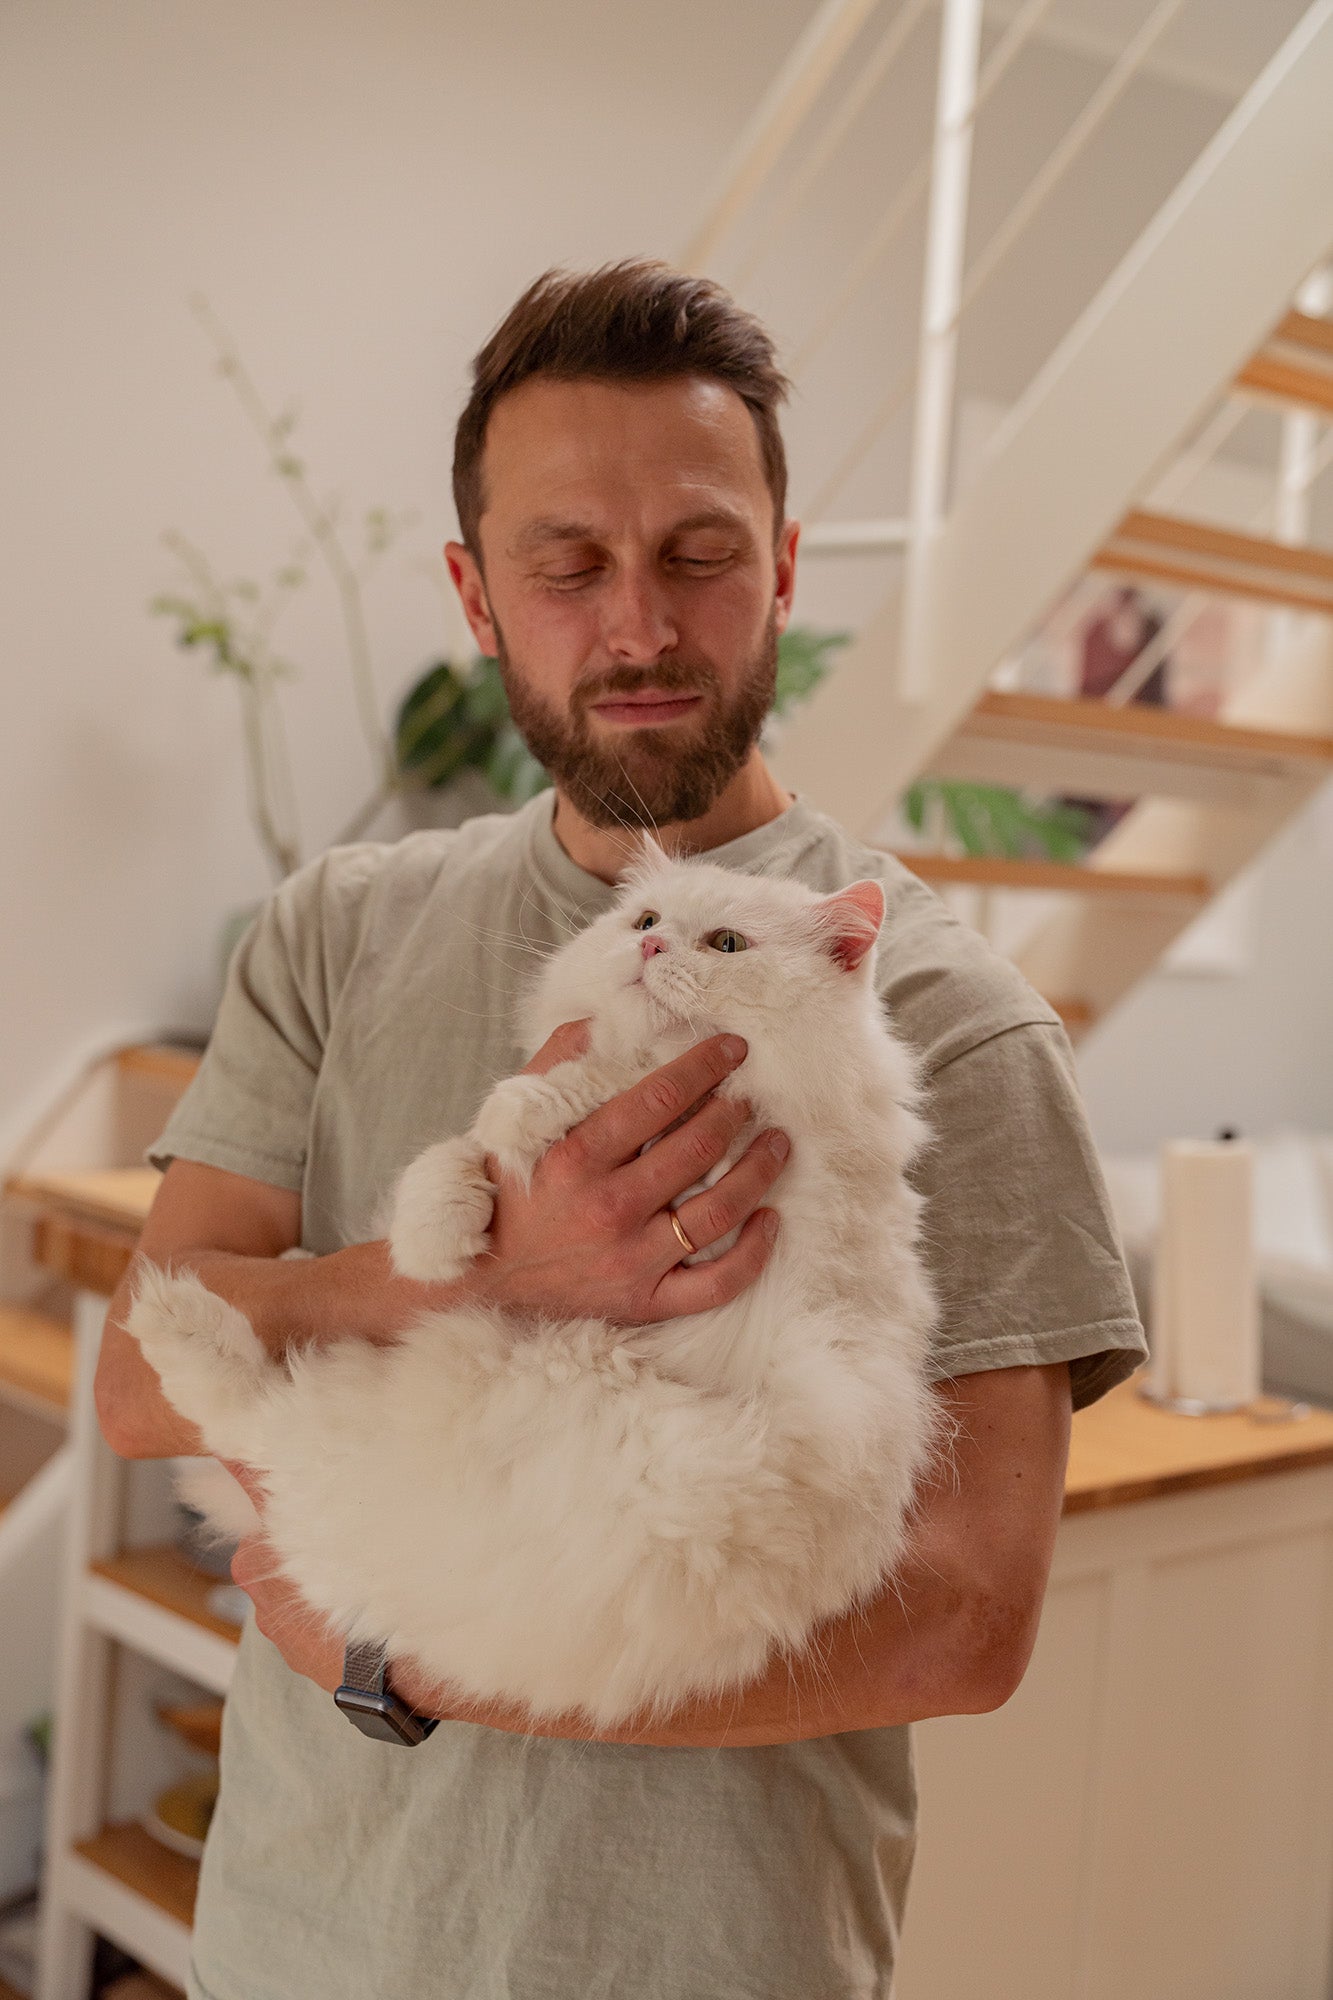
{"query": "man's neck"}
pixel 752 799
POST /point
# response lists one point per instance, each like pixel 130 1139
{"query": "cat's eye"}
pixel 647 920
pixel 727 941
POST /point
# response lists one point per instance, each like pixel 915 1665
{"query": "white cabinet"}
pixel 1151 1816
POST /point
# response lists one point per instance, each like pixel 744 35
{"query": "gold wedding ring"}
pixel 690 1249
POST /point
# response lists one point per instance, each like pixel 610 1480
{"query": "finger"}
pixel 617 1129
pixel 652 1180
pixel 694 1288
pixel 708 1217
pixel 569 1040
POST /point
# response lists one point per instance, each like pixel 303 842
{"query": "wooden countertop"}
pixel 1124 1448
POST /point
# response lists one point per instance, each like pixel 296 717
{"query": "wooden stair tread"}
pixel 1294 365
pixel 36 1361
pixel 998 872
pixel 1035 718
pixel 164 1576
pixel 1198 556
pixel 115 1197
pixel 143 1864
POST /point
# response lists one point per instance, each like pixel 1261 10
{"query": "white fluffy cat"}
pixel 616 1518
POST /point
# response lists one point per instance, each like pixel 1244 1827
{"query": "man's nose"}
pixel 637 621
pixel 652 943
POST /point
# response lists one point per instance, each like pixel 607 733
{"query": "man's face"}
pixel 631 590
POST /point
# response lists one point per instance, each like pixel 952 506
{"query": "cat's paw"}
pixel 175 1316
pixel 525 1115
pixel 441 1212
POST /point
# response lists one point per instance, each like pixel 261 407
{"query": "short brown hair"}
pixel 636 321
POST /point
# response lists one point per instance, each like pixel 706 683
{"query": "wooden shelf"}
pixel 87 1223
pixel 164 1062
pixel 1125 1448
pixel 1199 557
pixel 995 872
pixel 164 1577
pixel 198 1723
pixel 1294 366
pixel 36 1362
pixel 113 1197
pixel 143 1864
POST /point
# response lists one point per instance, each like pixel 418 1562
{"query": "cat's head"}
pixel 692 946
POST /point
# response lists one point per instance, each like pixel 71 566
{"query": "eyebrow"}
pixel 544 533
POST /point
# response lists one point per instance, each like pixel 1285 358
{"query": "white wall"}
pixel 1187 1053
pixel 361 192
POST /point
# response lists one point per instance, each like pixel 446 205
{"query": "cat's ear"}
pixel 849 923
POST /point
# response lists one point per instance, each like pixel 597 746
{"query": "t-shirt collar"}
pixel 752 853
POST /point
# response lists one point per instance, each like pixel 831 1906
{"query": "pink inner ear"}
pixel 850 922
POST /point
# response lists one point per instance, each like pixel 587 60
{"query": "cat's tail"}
pixel 211 1364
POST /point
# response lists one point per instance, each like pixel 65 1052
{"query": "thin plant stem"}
pixel 323 530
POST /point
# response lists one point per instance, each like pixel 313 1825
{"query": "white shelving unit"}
pixel 131 1610
pixel 107 1876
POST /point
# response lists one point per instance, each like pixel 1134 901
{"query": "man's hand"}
pixel 592 1237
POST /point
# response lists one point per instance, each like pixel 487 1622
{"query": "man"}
pixel 626 556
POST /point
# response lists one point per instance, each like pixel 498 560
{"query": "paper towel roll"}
pixel 1205 1310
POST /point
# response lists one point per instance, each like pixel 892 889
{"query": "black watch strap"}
pixel 368 1704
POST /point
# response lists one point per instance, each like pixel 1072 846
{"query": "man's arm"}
pixel 589 1239
pixel 952 1636
pixel 232 1232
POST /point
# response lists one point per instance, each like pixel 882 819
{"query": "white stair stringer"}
pixel 1170 329
pixel 1098 953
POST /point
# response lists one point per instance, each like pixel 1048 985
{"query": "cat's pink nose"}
pixel 653 943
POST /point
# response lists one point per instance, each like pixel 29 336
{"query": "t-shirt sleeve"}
pixel 248 1107
pixel 1018 1227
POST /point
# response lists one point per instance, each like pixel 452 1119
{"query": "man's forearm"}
pixel 290 1302
pixel 911 1653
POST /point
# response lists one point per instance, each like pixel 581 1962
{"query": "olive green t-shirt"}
pixel 367 1013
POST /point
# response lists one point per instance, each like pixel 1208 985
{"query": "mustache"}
pixel 666 677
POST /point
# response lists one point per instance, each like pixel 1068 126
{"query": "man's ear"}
pixel 471 587
pixel 849 923
pixel 784 581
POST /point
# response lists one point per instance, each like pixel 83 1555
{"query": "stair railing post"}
pixel 946 234
pixel 1298 443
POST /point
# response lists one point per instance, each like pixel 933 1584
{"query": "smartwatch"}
pixel 366 1702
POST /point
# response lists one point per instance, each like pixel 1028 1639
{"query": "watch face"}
pixel 383 1716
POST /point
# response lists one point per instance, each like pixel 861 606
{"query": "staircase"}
pixel 1211 313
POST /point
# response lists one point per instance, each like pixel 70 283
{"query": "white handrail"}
pixel 783 108
pixel 913 187
pixel 890 47
pixel 1111 88
pixel 946 232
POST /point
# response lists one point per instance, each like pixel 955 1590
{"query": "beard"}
pixel 650 777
